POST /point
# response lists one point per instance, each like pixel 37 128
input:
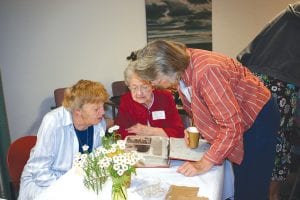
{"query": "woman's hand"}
pixel 186 137
pixel 195 168
pixel 140 129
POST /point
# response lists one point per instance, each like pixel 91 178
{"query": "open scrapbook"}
pixel 158 151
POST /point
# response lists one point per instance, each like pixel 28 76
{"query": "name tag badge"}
pixel 158 115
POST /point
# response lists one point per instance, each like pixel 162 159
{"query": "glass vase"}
pixel 127 180
pixel 119 192
pixel 119 187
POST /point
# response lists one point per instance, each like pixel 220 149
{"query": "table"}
pixel 216 184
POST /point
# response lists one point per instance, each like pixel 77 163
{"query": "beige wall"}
pixel 46 44
pixel 237 22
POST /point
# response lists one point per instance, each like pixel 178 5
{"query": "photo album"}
pixel 158 151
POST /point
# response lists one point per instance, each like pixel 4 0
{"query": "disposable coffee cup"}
pixel 194 137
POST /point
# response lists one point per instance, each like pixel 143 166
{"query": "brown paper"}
pixel 183 193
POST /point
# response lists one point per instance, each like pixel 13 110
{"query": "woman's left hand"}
pixel 139 129
pixel 195 168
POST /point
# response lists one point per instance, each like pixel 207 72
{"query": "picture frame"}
pixel 186 21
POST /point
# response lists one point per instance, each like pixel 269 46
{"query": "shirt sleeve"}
pixel 175 126
pixel 38 174
pixel 224 109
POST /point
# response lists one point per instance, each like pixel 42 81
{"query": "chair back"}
pixel 59 96
pixel 17 156
pixel 119 88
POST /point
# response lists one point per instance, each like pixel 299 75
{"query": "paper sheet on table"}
pixel 210 184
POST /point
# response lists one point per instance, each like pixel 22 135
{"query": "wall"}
pixel 46 44
pixel 237 22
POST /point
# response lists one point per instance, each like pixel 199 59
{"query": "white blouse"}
pixel 53 153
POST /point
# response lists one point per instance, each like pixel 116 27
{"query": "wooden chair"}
pixel 59 96
pixel 118 89
pixel 17 156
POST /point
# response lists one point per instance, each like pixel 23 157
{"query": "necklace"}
pixel 84 140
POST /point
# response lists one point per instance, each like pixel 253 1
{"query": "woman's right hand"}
pixel 186 137
pixel 195 168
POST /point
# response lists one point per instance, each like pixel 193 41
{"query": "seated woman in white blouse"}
pixel 77 126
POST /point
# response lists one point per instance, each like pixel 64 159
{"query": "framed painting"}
pixel 186 21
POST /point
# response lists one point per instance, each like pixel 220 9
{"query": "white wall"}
pixel 237 22
pixel 46 44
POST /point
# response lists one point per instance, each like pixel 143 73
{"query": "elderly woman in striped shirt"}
pixel 232 109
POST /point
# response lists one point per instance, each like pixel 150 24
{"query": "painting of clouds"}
pixel 186 21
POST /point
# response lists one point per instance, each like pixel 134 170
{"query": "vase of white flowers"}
pixel 119 187
pixel 110 161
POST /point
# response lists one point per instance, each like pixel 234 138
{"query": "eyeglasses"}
pixel 142 88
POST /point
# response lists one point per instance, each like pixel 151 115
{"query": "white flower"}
pixel 98 149
pixel 120 172
pixel 116 167
pixel 121 144
pixel 125 167
pixel 122 157
pixel 79 160
pixel 104 163
pixel 113 149
pixel 123 162
pixel 113 128
pixel 112 160
pixel 132 162
pixel 97 152
pixel 85 147
pixel 77 157
pixel 102 133
pixel 84 157
pixel 104 151
pixel 116 159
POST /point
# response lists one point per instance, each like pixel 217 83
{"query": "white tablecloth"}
pixel 149 183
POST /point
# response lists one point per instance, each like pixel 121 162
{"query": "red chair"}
pixel 17 156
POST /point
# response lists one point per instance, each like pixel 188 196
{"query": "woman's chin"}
pixel 141 101
pixel 98 120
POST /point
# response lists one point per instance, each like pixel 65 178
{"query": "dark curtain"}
pixel 4 144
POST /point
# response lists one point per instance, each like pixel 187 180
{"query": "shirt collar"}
pixel 67 120
pixel 187 75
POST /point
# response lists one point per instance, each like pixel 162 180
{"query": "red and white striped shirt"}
pixel 226 99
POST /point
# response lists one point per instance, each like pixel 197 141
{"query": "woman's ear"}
pixel 152 87
pixel 77 112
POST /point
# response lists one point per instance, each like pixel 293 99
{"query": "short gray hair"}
pixel 160 57
pixel 129 72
